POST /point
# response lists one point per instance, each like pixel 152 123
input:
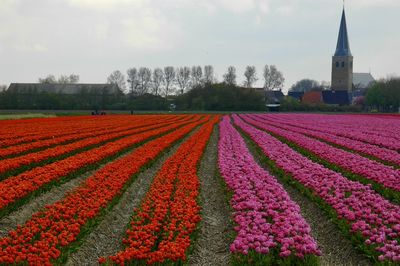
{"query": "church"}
pixel 345 85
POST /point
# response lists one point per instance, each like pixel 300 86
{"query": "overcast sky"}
pixel 94 37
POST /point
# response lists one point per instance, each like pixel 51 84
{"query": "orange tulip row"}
pixel 160 230
pixel 23 160
pixel 43 238
pixel 43 131
pixel 24 184
pixel 24 127
pixel 23 132
pixel 82 133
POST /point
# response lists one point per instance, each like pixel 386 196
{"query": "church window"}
pixel 337 64
pixel 342 64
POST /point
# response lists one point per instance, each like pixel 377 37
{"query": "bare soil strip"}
pixel 212 245
pixel 336 248
pixel 23 213
pixel 106 238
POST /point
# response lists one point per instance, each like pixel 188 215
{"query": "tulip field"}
pixel 200 189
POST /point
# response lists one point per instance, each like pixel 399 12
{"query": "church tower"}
pixel 342 61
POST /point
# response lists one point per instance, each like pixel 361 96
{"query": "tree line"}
pixel 184 88
pixel 169 80
pixel 384 96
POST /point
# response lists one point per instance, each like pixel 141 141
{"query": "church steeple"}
pixel 342 61
pixel 343 46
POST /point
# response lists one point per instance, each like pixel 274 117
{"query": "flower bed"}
pixel 44 238
pixel 24 160
pixel 375 131
pixel 374 151
pixel 81 133
pixel 372 221
pixel 161 228
pixel 267 219
pixel 375 171
pixel 32 130
pixel 24 184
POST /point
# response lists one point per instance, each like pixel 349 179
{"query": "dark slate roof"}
pixel 62 88
pixel 274 96
pixel 343 46
pixel 296 94
pixel 336 97
pixel 362 80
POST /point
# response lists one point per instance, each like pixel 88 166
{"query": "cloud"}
pixel 374 3
pixel 103 4
pixel 264 6
pixel 237 6
pixel 148 32
pixel 26 47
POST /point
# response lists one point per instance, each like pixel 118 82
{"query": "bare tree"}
pixel 183 78
pixel 71 79
pixel 63 79
pixel 209 74
pixel 117 78
pixel 133 80
pixel 230 76
pixel 50 79
pixel 169 79
pixel 197 75
pixel 251 76
pixel 157 80
pixel 273 78
pixel 144 77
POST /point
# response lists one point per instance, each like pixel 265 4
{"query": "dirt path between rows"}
pixel 106 238
pixel 336 248
pixel 212 245
pixel 25 212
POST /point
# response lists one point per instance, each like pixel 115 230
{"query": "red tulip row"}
pixel 381 153
pixel 23 132
pixel 43 238
pixel 79 134
pixel 161 227
pixel 16 162
pixel 42 132
pixel 24 127
pixel 17 187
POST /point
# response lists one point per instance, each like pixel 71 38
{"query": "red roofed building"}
pixel 312 97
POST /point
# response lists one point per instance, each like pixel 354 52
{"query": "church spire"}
pixel 343 46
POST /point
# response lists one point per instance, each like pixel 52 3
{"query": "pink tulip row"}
pixel 265 215
pixel 370 169
pixel 374 125
pixel 373 131
pixel 356 145
pixel 365 211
